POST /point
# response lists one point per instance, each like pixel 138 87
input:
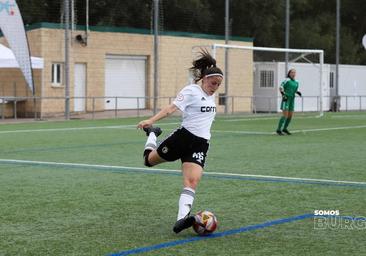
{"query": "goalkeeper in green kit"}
pixel 288 89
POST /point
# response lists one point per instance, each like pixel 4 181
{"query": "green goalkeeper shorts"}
pixel 288 105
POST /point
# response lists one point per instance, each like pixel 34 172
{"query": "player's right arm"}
pixel 183 99
pixel 167 111
pixel 282 90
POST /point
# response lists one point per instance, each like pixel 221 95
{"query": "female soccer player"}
pixel 190 142
pixel 288 88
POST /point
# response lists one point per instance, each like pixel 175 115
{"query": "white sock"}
pixel 151 141
pixel 185 202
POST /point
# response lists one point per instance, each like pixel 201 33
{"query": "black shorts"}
pixel 184 145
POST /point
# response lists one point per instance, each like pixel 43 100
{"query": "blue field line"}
pixel 215 235
pixel 228 233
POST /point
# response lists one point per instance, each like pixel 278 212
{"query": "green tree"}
pixel 189 15
pixel 312 21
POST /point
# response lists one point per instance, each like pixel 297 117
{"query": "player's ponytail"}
pixel 204 65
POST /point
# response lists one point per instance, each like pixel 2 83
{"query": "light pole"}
pixel 227 34
pixel 338 27
pixel 156 53
pixel 287 33
pixel 67 59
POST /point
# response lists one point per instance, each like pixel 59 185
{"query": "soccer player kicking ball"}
pixel 190 142
pixel 288 89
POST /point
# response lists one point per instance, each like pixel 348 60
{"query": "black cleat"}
pixel 286 131
pixel 155 130
pixel 279 132
pixel 184 223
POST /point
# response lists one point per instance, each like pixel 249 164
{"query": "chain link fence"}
pixel 40 108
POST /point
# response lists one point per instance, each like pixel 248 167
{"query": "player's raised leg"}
pixel 151 156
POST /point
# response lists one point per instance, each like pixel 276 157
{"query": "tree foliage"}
pixel 313 22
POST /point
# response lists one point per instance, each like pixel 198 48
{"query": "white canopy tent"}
pixel 8 60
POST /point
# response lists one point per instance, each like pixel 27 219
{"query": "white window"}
pixel 266 78
pixel 57 69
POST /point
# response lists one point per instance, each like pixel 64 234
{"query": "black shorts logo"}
pixel 165 150
pixel 198 156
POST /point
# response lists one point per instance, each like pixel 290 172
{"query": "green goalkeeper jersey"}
pixel 290 87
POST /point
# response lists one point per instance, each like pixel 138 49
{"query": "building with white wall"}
pixel 269 75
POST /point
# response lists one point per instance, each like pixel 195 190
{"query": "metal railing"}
pixel 114 107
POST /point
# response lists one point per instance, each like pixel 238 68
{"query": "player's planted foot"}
pixel 184 223
pixel 286 131
pixel 155 130
pixel 279 132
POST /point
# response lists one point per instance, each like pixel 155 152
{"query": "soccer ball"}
pixel 206 223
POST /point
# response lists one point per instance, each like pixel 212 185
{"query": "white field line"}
pixel 264 118
pixel 251 119
pixel 272 117
pixel 294 131
pixel 64 129
pixel 131 126
pixel 331 128
pixel 113 167
pixel 350 116
pixel 244 132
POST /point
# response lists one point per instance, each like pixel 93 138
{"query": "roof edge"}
pixel 49 25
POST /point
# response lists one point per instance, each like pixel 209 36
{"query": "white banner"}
pixel 12 27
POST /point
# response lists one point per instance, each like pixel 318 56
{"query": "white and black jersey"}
pixel 199 110
pixel 190 143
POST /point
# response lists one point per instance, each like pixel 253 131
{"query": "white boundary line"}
pixel 133 126
pixel 294 131
pixel 277 116
pixel 129 126
pixel 250 119
pixel 264 118
pixel 65 129
pixel 244 132
pixel 361 116
pixel 109 167
pixel 332 128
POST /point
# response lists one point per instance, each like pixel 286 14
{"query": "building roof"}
pixel 136 31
